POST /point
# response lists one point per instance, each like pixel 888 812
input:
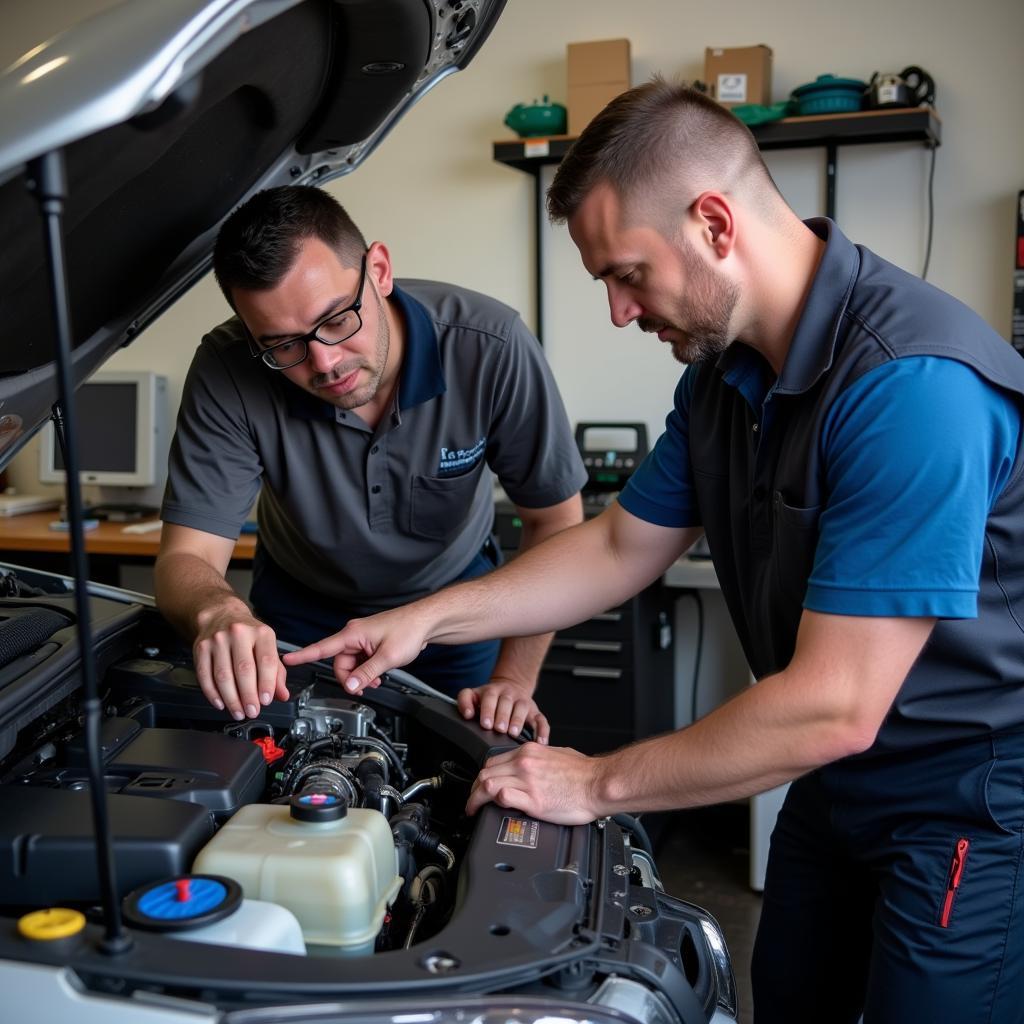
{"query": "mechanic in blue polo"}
pixel 848 439
pixel 371 419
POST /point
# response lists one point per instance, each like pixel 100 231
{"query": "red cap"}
pixel 271 751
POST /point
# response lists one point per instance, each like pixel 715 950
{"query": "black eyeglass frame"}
pixel 267 354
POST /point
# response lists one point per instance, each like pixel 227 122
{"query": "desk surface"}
pixel 691 574
pixel 32 532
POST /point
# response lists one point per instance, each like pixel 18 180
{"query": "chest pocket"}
pixel 796 539
pixel 439 505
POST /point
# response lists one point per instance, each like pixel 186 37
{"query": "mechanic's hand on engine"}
pixel 366 648
pixel 237 663
pixel 504 706
pixel 553 783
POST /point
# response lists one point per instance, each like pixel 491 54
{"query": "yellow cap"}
pixel 55 923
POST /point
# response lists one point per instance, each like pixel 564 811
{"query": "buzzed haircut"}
pixel 660 143
pixel 259 242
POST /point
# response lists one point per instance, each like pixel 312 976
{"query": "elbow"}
pixel 850 734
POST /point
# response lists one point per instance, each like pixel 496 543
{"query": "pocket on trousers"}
pixel 1003 793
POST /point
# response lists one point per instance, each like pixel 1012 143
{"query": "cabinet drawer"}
pixel 587 696
pixel 614 624
pixel 566 654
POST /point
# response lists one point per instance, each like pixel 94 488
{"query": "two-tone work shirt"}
pixel 376 517
pixel 881 474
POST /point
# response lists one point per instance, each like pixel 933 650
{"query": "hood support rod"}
pixel 47 179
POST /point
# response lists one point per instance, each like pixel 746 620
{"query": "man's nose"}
pixel 624 310
pixel 323 358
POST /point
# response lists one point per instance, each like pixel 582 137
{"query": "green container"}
pixel 828 94
pixel 545 118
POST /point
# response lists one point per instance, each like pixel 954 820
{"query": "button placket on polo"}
pixel 760 501
pixel 379 503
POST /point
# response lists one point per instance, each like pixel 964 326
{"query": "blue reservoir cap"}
pixel 185 901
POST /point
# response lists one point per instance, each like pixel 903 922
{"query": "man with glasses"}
pixel 368 418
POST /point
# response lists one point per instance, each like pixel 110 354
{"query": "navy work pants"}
pixel 894 889
pixel 302 616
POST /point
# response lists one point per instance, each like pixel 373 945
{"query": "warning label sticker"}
pixel 519 832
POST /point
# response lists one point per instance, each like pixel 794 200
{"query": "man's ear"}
pixel 378 266
pixel 717 222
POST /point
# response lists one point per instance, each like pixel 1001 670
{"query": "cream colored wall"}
pixel 447 211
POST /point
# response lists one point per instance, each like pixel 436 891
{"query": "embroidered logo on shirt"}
pixel 458 460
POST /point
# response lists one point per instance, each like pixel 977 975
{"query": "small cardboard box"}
pixel 597 73
pixel 740 74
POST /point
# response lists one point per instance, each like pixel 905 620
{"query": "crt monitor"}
pixel 122 432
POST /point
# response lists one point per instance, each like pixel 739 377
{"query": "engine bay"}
pixel 339 825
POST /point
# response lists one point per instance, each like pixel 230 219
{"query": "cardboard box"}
pixel 597 72
pixel 741 74
pixel 1017 322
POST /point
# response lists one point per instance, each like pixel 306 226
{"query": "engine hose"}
pixel 373 763
pixel 373 798
pixel 447 855
pixel 420 786
pixel 329 776
pixel 391 800
pixel 423 893
pixel 385 748
pixel 631 824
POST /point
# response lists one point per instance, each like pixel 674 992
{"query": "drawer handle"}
pixel 607 617
pixel 597 673
pixel 597 645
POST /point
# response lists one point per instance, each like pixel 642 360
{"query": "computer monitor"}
pixel 122 436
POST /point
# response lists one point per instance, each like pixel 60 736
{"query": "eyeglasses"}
pixel 335 329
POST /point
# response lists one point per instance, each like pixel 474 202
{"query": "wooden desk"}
pixel 32 532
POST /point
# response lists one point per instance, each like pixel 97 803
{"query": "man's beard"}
pixel 703 317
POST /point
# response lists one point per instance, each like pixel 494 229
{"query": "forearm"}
pixel 827 704
pixel 746 746
pixel 566 579
pixel 520 660
pixel 190 591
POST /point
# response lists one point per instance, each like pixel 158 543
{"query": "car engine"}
pixel 336 827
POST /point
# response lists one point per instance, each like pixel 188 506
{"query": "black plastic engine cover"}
pixel 48 850
pixel 218 772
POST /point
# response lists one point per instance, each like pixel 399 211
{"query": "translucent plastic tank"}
pixel 254 925
pixel 335 871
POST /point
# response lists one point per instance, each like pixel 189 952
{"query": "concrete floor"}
pixel 703 857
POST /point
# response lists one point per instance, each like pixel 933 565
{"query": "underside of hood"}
pixel 169 114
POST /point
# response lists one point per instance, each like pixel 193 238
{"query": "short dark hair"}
pixel 655 138
pixel 257 244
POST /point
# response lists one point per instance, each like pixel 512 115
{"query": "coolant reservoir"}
pixel 334 868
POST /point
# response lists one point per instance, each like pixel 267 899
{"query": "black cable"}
pixel 931 215
pixel 632 824
pixel 695 594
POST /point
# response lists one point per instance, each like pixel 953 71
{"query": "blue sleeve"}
pixel 916 454
pixel 660 491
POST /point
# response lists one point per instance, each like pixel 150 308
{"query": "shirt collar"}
pixel 814 341
pixel 422 375
pixel 812 348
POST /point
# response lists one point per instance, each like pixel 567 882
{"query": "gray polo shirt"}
pixel 376 517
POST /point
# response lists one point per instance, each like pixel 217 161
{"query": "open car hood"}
pixel 170 113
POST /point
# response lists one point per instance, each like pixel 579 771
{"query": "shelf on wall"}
pixel 862 127
pixel 917 124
